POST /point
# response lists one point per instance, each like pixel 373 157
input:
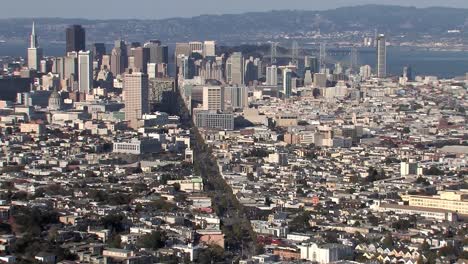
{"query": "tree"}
pixel 113 222
pixel 422 180
pixel 115 241
pixel 373 220
pixel 300 223
pixel 212 254
pixel 433 171
pixel 447 251
pixel 425 247
pixel 387 242
pixel 155 240
pixel 250 176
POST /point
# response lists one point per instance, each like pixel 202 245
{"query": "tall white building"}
pixel 34 52
pixel 365 72
pixel 70 66
pixel 237 96
pixel 410 168
pixel 213 98
pixel 152 69
pixel 85 71
pixel 381 56
pixel 196 47
pixel 235 69
pixel 209 48
pixel 322 254
pixel 136 89
pixel 272 75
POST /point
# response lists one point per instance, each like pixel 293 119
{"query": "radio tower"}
pixel 273 47
pixel 354 60
pixel 295 53
pixel 323 55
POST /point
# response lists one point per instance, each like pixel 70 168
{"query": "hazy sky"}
pixel 171 8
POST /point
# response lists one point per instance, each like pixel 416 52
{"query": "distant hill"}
pixel 249 27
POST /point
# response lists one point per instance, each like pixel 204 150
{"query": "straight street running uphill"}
pixel 241 241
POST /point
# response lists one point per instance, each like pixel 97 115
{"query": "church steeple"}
pixel 33 39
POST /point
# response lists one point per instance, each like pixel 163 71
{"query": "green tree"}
pixel 155 240
pixel 388 242
pixel 212 254
pixel 300 223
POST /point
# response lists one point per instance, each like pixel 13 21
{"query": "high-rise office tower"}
pixel 365 72
pixel 136 89
pixel 58 64
pixel 237 96
pixel 76 38
pixel 211 69
pixel 312 64
pixel 106 62
pixel 272 75
pixel 85 71
pixel 34 51
pixel 152 70
pixel 408 73
pixel 141 59
pixel 381 56
pixel 196 47
pixel 250 73
pixel 209 48
pixel 236 69
pixel 259 64
pixel 46 66
pixel 71 66
pixel 186 67
pixel 213 98
pixel 119 59
pixel 287 82
pixel 338 68
pixel 182 48
pixel 157 52
pixel 98 50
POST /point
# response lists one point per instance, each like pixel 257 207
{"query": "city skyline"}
pixel 317 137
pixel 159 10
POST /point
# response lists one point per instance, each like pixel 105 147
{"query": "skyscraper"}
pixel 209 48
pixel 186 67
pixel 312 64
pixel 236 69
pixel 141 59
pixel 408 73
pixel 250 71
pixel 34 52
pixel 136 89
pixel 213 98
pixel 85 71
pixel 119 59
pixel 365 72
pixel 76 38
pixel 196 47
pixel 70 66
pixel 99 50
pixel 237 96
pixel 272 75
pixel 381 56
pixel 157 52
pixel 287 82
pixel 182 48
